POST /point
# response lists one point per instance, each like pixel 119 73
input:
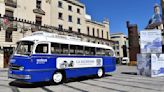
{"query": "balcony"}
pixel 11 3
pixel 39 11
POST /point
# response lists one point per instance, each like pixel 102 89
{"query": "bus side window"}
pixel 42 48
pixel 72 49
pixel 79 50
pixel 65 49
pixel 87 51
pixel 109 52
pixel 100 51
pixel 55 48
pixel 92 51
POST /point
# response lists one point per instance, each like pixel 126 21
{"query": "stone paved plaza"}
pixel 122 80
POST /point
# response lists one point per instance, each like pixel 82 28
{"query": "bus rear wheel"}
pixel 58 77
pixel 100 73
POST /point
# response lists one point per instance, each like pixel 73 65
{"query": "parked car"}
pixel 125 60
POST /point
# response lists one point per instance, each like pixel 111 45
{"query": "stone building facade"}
pixel 60 16
pixel 121 45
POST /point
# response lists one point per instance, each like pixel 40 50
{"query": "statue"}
pixel 157 17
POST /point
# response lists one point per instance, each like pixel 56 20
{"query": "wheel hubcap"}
pixel 100 73
pixel 57 77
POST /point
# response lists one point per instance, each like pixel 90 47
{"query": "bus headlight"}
pixel 21 68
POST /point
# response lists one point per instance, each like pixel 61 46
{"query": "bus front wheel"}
pixel 100 72
pixel 58 77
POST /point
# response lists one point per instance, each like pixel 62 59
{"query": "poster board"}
pixel 144 64
pixel 151 65
pixel 151 41
pixel 157 65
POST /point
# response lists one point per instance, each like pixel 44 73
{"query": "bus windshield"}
pixel 24 47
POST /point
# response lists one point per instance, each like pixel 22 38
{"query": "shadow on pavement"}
pixel 29 85
pixel 84 78
pixel 129 73
pixel 42 84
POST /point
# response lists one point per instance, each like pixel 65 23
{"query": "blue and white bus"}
pixel 50 57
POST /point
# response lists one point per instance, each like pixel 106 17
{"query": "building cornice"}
pixel 75 2
pixel 94 22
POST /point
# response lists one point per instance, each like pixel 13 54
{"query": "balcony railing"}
pixel 39 11
pixel 12 3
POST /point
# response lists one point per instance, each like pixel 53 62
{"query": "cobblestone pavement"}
pixel 122 80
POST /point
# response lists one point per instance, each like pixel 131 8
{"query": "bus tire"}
pixel 58 77
pixel 100 72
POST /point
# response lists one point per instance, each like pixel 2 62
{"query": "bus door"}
pixel 42 57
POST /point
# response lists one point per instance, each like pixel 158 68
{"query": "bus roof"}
pixel 62 39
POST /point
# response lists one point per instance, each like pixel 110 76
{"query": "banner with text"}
pixel 65 62
pixel 157 65
pixel 151 41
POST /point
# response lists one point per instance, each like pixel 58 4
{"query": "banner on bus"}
pixel 65 62
pixel 151 41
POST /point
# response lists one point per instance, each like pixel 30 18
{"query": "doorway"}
pixel 7 53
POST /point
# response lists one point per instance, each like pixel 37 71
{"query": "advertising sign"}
pixel 151 41
pixel 144 64
pixel 151 65
pixel 157 65
pixel 65 62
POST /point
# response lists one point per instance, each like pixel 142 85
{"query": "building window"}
pixel 125 43
pixel 118 53
pixel 38 20
pixel 114 48
pixel 1 24
pixel 60 16
pixel 102 34
pixel 117 47
pixel 93 31
pixel 117 42
pixel 9 20
pixel 70 28
pixel 8 13
pixel 60 27
pixel 69 8
pixel 69 18
pixel 8 35
pixel 38 4
pixel 98 34
pixel 79 31
pixel 78 10
pixel 60 4
pixel 88 30
pixel 78 21
pixel 107 35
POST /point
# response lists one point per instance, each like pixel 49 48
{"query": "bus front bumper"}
pixel 21 77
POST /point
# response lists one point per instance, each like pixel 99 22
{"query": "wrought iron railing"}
pixel 12 3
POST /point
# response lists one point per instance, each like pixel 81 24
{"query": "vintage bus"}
pixel 45 56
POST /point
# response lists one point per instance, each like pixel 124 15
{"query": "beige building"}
pixel 121 45
pixel 20 18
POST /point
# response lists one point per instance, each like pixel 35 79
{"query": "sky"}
pixel 119 11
